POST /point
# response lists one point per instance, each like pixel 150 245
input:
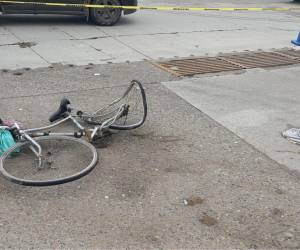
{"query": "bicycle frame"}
pixel 29 134
pixel 125 113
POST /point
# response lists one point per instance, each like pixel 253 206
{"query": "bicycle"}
pixel 66 156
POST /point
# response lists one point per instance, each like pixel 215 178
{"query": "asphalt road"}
pixel 185 151
pixel 135 196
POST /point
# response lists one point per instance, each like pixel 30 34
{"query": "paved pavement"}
pixel 134 198
pixel 257 105
pixel 146 35
pixel 214 145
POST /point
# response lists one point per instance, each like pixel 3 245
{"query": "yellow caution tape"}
pixel 166 8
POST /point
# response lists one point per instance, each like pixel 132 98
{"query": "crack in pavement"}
pixel 22 45
pixel 18 38
pixel 125 44
pixel 158 33
pixel 73 38
pixel 31 44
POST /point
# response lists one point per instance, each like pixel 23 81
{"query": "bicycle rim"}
pixel 64 159
pixel 135 100
pixel 135 109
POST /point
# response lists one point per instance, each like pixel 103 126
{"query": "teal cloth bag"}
pixel 6 140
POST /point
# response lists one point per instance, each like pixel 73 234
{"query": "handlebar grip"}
pixel 62 111
pixel 55 116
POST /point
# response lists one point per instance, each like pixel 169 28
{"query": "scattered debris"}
pixel 253 246
pixel 207 220
pixel 11 122
pixel 153 238
pixel 292 135
pixel 277 212
pixel 192 201
pixel 279 191
pixel 287 239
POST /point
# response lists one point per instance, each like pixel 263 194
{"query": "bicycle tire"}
pixel 109 111
pixel 50 182
pixel 144 110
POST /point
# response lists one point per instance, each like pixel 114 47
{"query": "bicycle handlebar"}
pixel 62 112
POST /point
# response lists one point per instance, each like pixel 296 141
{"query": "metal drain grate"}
pixel 291 53
pixel 231 62
pixel 199 66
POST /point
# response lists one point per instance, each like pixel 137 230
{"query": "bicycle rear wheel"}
pixel 134 105
pixel 64 159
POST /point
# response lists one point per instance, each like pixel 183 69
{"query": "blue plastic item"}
pixel 297 41
pixel 6 140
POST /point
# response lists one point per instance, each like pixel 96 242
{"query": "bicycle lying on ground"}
pixel 41 157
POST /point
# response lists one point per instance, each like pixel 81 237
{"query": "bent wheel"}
pixel 134 113
pixel 134 99
pixel 64 159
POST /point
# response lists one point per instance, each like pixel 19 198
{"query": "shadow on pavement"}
pixel 41 19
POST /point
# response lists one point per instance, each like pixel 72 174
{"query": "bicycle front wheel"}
pixel 133 104
pixel 134 100
pixel 64 159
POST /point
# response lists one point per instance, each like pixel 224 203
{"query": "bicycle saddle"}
pixel 62 111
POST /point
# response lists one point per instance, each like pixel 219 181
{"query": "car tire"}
pixel 106 17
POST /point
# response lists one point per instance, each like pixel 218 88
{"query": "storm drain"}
pixel 231 62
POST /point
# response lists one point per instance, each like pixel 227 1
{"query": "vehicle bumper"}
pixel 129 3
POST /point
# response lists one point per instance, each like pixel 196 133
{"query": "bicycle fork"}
pixel 37 151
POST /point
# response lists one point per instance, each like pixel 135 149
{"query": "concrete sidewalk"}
pixel 146 35
pixel 256 105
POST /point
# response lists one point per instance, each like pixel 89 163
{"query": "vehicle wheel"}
pixel 64 159
pixel 106 17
